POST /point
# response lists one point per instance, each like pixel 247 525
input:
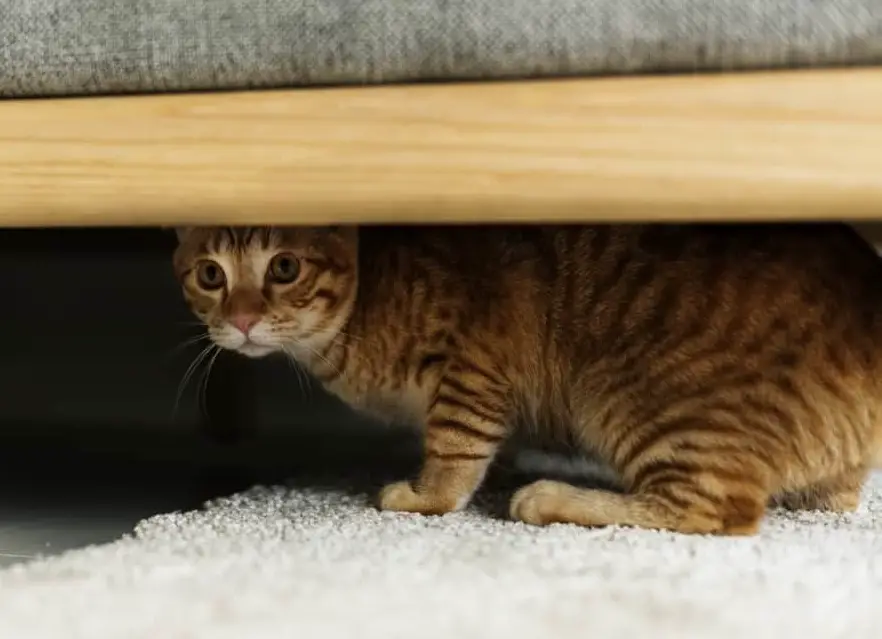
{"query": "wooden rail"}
pixel 779 145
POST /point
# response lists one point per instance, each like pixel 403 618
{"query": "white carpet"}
pixel 274 562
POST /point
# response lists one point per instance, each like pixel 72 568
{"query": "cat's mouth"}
pixel 253 343
pixel 244 345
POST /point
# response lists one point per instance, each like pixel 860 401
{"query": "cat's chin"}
pixel 255 350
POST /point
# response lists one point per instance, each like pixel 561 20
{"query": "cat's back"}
pixel 657 307
pixel 479 250
pixel 484 248
pixel 801 270
pixel 734 281
pixel 589 276
pixel 731 248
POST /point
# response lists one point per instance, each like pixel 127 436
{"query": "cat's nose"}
pixel 244 321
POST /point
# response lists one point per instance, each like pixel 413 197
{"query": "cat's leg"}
pixel 690 474
pixel 465 427
pixel 841 493
pixel 679 507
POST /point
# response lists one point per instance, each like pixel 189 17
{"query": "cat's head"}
pixel 260 290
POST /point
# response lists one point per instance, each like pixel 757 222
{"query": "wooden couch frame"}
pixel 770 145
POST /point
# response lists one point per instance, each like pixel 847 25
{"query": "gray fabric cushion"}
pixel 63 47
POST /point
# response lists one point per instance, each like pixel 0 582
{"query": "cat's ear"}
pixel 182 232
pixel 346 232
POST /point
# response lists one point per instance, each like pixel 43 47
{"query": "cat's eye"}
pixel 283 268
pixel 210 275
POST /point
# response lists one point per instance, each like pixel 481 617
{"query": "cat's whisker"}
pixel 189 342
pixel 321 357
pixel 302 373
pixel 188 374
pixel 302 378
pixel 356 338
pixel 203 385
pixel 296 370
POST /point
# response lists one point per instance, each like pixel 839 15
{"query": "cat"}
pixel 717 369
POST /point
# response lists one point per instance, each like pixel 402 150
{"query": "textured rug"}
pixel 321 562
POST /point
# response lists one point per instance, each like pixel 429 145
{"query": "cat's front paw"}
pixel 401 497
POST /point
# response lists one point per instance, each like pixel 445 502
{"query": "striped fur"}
pixel 717 369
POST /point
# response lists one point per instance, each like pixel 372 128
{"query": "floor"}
pixel 74 487
pixel 52 499
pixel 286 560
pixel 49 522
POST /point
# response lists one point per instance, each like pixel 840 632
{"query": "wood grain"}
pixel 796 145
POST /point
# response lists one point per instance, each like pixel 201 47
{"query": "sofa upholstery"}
pixel 71 47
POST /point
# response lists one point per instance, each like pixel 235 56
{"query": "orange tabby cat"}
pixel 715 368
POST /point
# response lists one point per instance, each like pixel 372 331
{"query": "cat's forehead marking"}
pixel 229 239
pixel 243 253
pixel 253 266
